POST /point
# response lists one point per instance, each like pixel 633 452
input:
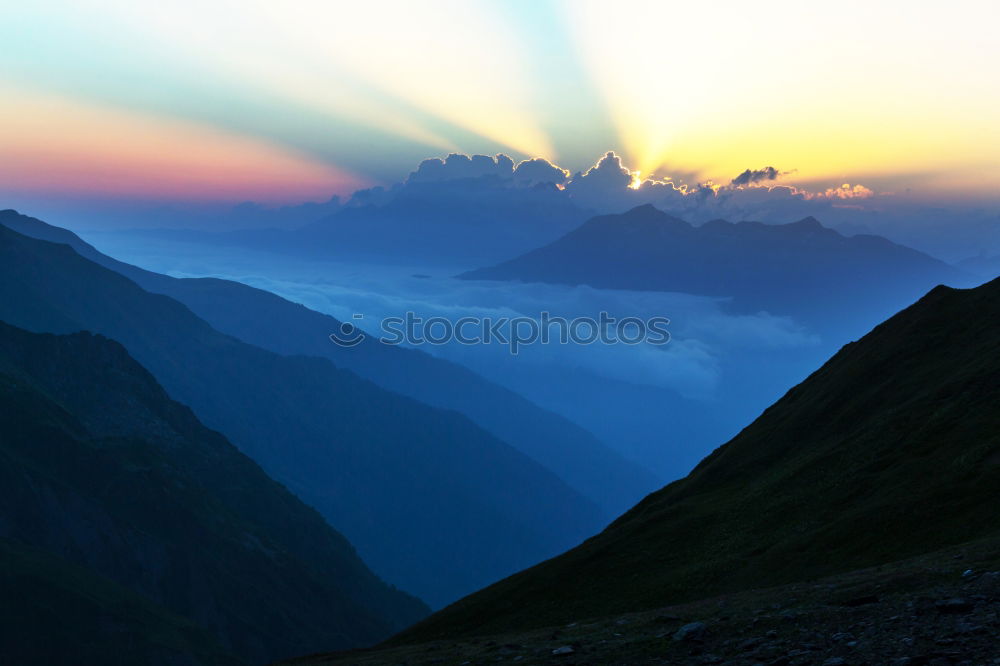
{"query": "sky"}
pixel 227 101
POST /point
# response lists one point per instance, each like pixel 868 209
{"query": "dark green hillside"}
pixel 891 449
pixel 105 474
pixel 54 612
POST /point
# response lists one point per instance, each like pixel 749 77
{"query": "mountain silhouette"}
pixel 153 532
pixel 433 503
pixel 266 320
pixel 802 268
pixel 890 450
pixel 984 265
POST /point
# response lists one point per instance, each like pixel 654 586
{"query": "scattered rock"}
pixel 966 628
pixel 565 649
pixel 954 606
pixel 693 631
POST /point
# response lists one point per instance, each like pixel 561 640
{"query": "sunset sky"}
pixel 288 101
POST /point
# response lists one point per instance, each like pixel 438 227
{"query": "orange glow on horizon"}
pixel 53 144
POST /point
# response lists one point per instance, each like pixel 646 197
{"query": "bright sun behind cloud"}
pixel 853 87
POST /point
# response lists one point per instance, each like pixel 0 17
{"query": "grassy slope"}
pixel 891 449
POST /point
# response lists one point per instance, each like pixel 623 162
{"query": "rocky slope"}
pixel 941 609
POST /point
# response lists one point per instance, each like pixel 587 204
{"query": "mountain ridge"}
pixel 891 449
pixel 475 508
pixel 252 315
pixel 802 269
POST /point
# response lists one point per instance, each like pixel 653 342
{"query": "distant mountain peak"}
pixel 645 216
pixel 803 269
pixel 806 223
pixel 648 212
pixel 644 209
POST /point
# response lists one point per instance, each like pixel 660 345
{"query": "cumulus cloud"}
pixel 539 170
pixel 754 176
pixel 607 186
pixel 846 191
pixel 610 187
pixel 457 166
pixel 604 186
pixel 609 173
